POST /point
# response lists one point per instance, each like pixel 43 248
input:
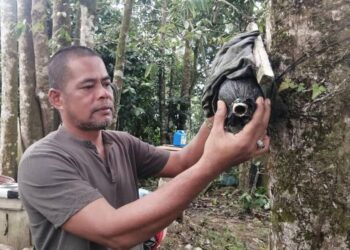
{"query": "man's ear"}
pixel 55 98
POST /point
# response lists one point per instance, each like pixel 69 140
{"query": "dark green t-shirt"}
pixel 60 174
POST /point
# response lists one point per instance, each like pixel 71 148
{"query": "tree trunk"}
pixel 77 21
pixel 60 24
pixel 118 74
pixel 41 52
pixel 310 165
pixel 161 81
pixel 9 100
pixel 186 87
pixel 244 177
pixel 87 22
pixel 31 128
pixel 61 37
pixel 170 97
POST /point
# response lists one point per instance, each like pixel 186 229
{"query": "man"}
pixel 79 183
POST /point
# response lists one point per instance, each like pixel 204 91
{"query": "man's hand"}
pixel 224 149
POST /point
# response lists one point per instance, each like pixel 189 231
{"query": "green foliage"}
pixel 257 200
pixel 38 27
pixel 289 84
pixel 316 89
pixel 224 240
pixel 205 24
pixel 20 28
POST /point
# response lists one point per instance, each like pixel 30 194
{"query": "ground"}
pixel 216 220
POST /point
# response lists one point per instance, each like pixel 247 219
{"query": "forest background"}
pixel 159 54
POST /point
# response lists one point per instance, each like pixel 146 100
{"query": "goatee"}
pixel 94 126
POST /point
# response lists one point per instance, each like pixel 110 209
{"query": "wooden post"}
pixel 264 73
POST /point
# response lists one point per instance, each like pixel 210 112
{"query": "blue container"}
pixel 179 138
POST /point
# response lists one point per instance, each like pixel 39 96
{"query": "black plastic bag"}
pixel 232 79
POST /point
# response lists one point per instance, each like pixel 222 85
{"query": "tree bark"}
pixel 310 160
pixel 171 89
pixel 61 35
pixel 60 24
pixel 118 74
pixel 9 100
pixel 77 21
pixel 87 22
pixel 31 128
pixel 186 87
pixel 41 52
pixel 244 177
pixel 161 81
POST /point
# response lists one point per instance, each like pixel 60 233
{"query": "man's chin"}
pixel 94 126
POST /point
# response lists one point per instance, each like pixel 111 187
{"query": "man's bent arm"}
pixel 135 222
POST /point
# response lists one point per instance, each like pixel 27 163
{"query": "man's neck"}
pixel 94 136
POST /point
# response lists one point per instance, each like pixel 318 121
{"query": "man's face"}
pixel 87 96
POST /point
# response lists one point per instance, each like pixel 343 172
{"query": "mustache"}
pixel 103 106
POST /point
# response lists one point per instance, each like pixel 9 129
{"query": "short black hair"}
pixel 57 66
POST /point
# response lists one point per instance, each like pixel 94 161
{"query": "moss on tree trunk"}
pixel 310 165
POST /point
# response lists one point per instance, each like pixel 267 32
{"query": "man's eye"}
pixel 87 86
pixel 106 84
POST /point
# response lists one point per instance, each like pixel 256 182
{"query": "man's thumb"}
pixel 220 115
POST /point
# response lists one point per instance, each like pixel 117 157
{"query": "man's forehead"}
pixel 86 58
pixel 78 62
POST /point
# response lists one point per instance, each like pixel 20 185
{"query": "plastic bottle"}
pixel 179 139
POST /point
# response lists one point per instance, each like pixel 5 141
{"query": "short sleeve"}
pixel 149 159
pixel 51 185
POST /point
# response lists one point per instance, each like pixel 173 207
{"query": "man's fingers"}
pixel 257 118
pixel 220 115
pixel 267 113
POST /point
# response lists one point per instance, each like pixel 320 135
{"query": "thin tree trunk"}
pixel 161 81
pixel 60 24
pixel 60 35
pixel 171 88
pixel 186 87
pixel 310 165
pixel 118 74
pixel 0 50
pixel 195 73
pixel 77 21
pixel 9 96
pixel 41 52
pixel 87 22
pixel 244 176
pixel 31 128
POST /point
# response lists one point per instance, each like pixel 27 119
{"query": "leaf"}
pixel 286 84
pixel 192 8
pixel 301 87
pixel 317 90
pixel 138 111
pixel 127 89
pixel 132 90
pixel 149 69
pixel 162 29
pixel 186 24
pixel 20 28
pixel 146 84
pixel 40 26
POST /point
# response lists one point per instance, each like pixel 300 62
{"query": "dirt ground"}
pixel 216 220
